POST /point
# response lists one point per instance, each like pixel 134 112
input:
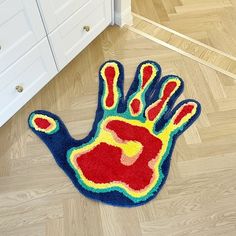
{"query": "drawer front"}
pixel 71 37
pixel 55 12
pixel 31 72
pixel 21 27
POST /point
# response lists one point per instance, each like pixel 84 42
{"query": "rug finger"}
pixel 168 90
pixel 146 76
pixel 111 85
pixel 184 114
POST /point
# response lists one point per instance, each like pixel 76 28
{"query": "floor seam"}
pixel 184 45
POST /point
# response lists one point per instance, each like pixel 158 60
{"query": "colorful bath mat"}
pixel 125 159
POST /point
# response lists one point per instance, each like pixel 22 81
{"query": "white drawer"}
pixel 70 38
pixel 32 72
pixel 21 27
pixel 55 12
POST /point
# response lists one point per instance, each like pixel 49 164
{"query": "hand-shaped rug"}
pixel 125 159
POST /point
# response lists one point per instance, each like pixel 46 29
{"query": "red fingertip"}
pixel 110 72
pixel 186 109
pixel 169 88
pixel 42 123
pixel 110 75
pixel 147 73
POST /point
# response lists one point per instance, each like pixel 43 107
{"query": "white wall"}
pixel 122 12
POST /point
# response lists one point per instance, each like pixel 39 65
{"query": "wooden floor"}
pixel 209 21
pixel 199 197
pixel 187 46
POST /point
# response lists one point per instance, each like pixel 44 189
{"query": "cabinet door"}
pixel 54 12
pixel 31 72
pixel 79 30
pixel 21 27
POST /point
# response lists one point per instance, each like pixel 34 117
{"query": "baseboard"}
pixel 184 45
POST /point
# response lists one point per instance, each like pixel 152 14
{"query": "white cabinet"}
pixel 55 12
pixel 31 54
pixel 79 30
pixel 21 28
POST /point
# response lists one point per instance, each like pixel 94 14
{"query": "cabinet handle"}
pixel 0 47
pixel 19 88
pixel 87 28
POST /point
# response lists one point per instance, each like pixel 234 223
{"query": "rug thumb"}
pixel 52 131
